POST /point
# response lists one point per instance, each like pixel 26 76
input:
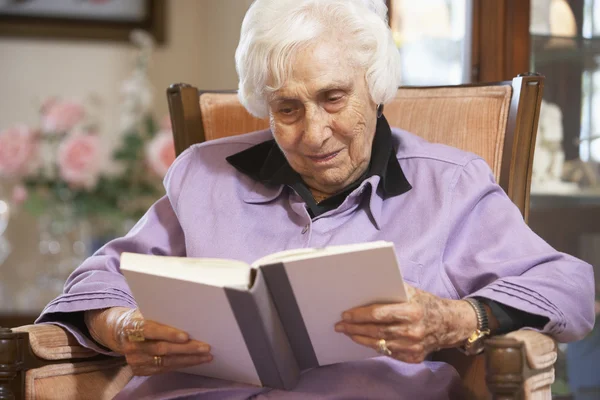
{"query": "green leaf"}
pixel 35 204
pixel 151 126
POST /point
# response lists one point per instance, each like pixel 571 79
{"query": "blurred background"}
pixel 85 137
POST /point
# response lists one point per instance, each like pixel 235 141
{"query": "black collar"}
pixel 266 163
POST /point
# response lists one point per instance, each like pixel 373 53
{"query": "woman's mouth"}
pixel 323 158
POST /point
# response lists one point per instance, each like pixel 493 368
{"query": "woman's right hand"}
pixel 163 348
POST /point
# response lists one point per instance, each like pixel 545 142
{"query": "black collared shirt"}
pixel 266 163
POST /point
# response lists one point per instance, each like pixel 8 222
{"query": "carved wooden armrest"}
pixel 46 362
pixel 520 365
pixel 51 342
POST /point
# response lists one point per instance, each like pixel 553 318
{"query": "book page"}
pixel 205 313
pixel 210 271
pixel 307 253
pixel 324 287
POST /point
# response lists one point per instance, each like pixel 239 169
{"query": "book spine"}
pixel 289 312
pixel 258 340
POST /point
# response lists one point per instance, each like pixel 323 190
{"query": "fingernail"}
pixel 203 348
pixel 346 316
pixel 339 328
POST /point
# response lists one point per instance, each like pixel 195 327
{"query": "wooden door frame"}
pixel 500 42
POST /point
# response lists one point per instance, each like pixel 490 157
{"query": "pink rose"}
pixel 161 153
pixel 79 160
pixel 61 116
pixel 165 124
pixel 18 150
pixel 19 194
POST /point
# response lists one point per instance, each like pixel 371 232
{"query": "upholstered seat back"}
pixel 469 118
pixel 223 115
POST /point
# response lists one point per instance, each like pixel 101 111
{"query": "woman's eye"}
pixel 287 111
pixel 334 99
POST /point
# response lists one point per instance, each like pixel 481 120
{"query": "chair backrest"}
pixel 497 121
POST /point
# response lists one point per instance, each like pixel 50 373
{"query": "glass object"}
pixel 565 204
pixel 63 244
pixel 434 40
pixel 5 247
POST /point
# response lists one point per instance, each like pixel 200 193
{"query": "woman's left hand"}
pixel 411 330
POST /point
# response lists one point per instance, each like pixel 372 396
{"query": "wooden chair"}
pixel 497 121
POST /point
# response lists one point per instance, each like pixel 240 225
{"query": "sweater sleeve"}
pixel 491 253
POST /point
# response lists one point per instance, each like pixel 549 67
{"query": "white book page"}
pixel 203 312
pixel 210 271
pixel 327 286
pixel 308 253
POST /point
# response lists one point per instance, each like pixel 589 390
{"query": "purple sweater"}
pixel 456 234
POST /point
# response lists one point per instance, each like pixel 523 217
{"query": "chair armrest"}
pixel 45 361
pixel 51 342
pixel 520 363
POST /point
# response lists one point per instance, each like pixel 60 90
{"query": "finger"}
pixel 406 350
pixel 157 331
pixel 384 313
pixel 142 360
pixel 168 363
pixel 410 358
pixel 366 341
pixel 162 348
pixel 406 332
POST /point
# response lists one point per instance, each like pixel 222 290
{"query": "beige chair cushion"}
pixel 218 110
pixel 51 342
pixel 87 380
pixel 469 118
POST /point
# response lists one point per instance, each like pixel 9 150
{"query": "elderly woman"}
pixel 331 171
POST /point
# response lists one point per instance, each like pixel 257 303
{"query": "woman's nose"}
pixel 316 127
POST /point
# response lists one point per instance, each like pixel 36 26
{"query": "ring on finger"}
pixel 136 332
pixel 382 348
pixel 158 361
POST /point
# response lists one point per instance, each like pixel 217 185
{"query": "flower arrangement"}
pixel 64 160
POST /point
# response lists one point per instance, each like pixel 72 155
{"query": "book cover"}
pixel 269 321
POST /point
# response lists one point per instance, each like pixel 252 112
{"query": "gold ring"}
pixel 382 348
pixel 158 361
pixel 136 333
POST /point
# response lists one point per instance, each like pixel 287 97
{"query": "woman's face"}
pixel 323 118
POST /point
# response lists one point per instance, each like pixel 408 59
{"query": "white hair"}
pixel 274 30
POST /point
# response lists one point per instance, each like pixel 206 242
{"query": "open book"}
pixel 267 321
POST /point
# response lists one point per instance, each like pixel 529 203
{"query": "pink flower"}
pixel 18 150
pixel 79 160
pixel 19 194
pixel 161 153
pixel 61 116
pixel 165 124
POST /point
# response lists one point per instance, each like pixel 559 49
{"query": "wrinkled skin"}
pixel 323 118
pixel 109 327
pixel 412 330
